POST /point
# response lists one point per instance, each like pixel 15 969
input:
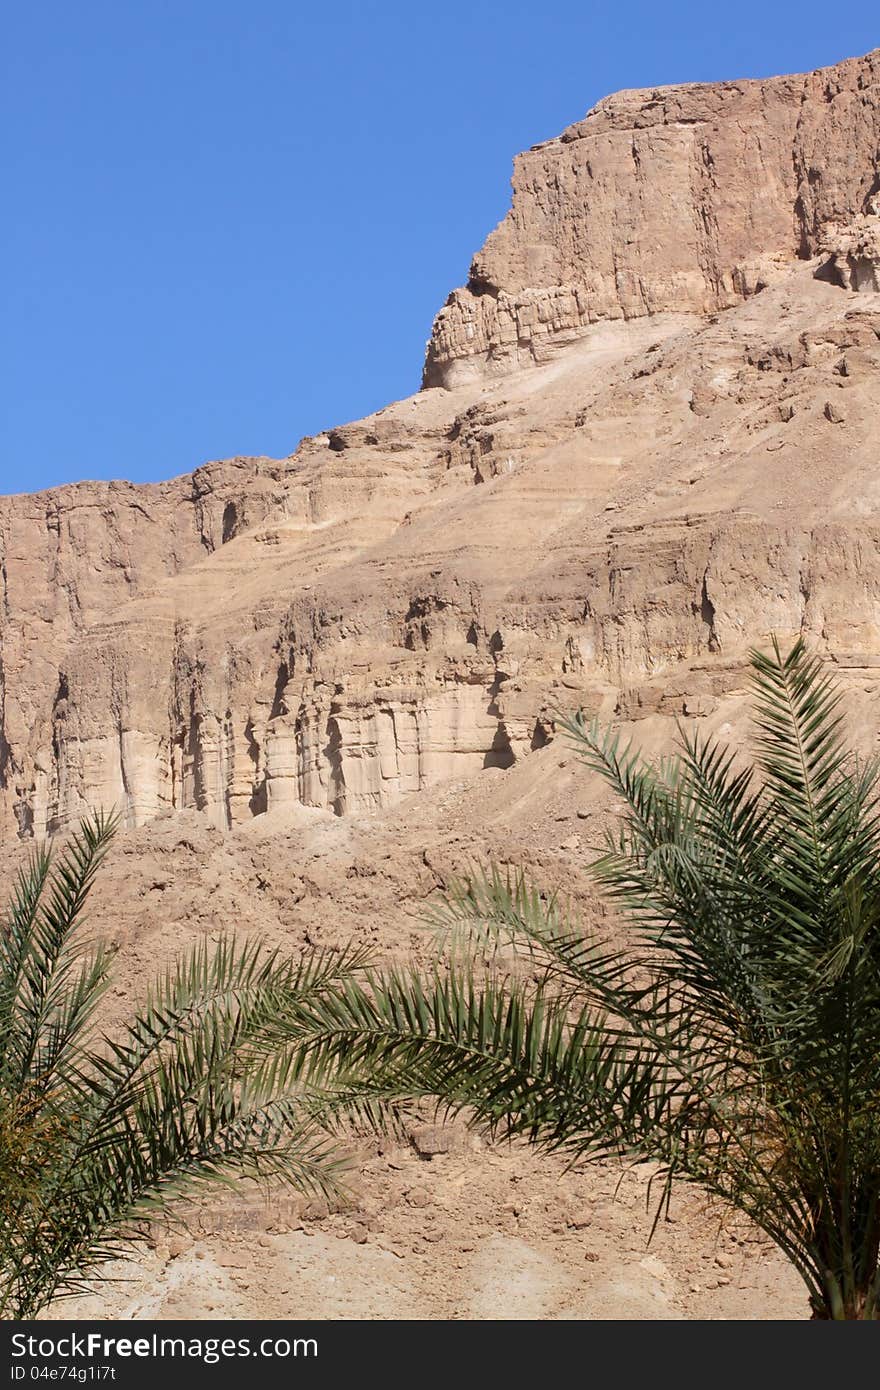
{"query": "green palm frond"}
pixel 96 1132
pixel 499 1047
pixel 49 988
pixel 736 1040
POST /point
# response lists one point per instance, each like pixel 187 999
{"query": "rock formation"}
pixel 683 199
pixel 655 442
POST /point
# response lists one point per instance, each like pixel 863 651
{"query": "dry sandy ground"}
pixel 494 1235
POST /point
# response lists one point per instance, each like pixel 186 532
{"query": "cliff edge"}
pixel 678 199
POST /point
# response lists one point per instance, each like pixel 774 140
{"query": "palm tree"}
pixel 735 1040
pixel 97 1134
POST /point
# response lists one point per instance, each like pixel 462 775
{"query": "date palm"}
pixel 735 1040
pixel 98 1133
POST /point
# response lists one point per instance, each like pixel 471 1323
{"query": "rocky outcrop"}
pixel 854 251
pixel 73 555
pixel 683 198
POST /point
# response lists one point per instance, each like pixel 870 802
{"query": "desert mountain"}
pixel 647 438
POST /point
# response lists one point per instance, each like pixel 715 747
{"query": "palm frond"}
pixel 736 1040
pixel 197 1088
pixel 49 987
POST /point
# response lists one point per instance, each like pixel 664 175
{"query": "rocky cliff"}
pixel 682 199
pixel 655 443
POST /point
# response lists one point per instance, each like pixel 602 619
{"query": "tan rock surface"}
pixel 682 198
pixel 317 685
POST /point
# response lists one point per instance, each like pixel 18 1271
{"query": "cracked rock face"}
pixel 656 444
pixel 855 252
pixel 680 199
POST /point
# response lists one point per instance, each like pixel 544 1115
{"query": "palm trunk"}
pixel 845 1249
pixel 863 1308
pixel 847 1299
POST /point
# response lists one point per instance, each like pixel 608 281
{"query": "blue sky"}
pixel 230 224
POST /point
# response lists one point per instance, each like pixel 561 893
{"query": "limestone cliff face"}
pixel 683 198
pixel 688 464
pixel 72 556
